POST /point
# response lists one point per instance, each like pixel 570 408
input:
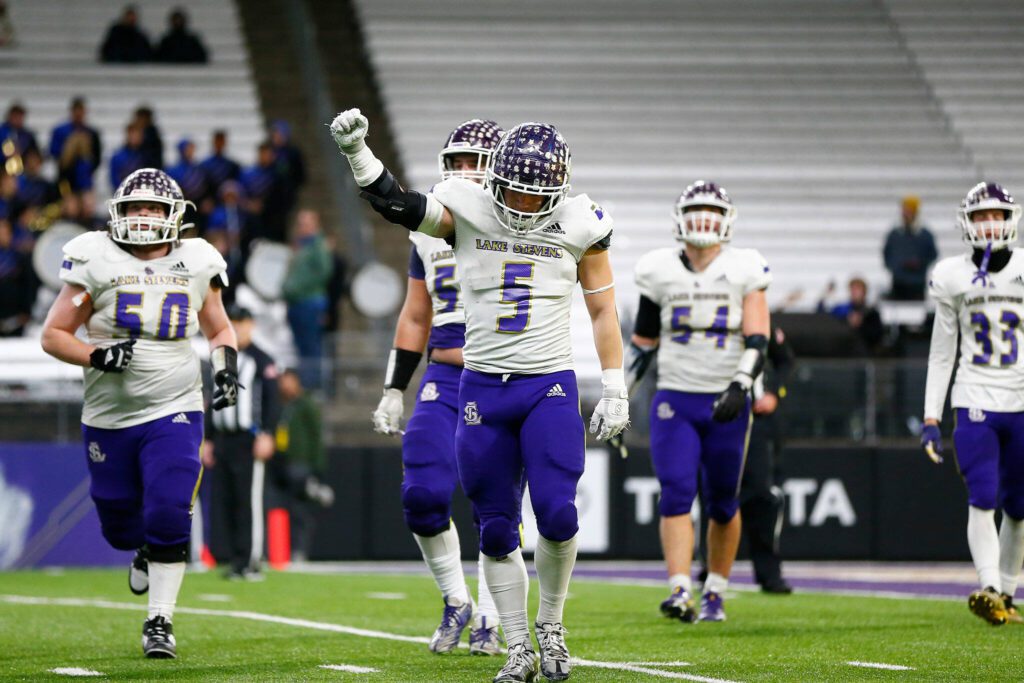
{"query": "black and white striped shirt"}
pixel 258 407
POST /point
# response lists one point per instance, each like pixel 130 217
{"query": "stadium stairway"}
pixel 813 115
pixel 56 58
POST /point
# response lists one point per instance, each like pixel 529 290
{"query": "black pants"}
pixel 761 501
pixel 234 504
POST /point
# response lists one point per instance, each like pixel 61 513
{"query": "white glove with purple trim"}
pixel 611 415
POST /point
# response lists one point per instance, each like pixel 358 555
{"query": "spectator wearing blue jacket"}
pixel 218 167
pixel 76 148
pixel 15 138
pixel 129 158
pixel 33 188
pixel 265 192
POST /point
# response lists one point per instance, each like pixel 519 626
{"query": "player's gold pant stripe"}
pixel 195 491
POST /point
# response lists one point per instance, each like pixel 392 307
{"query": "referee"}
pixel 240 441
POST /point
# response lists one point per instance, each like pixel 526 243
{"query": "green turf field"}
pixel 228 636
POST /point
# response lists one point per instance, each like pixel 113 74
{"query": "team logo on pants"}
pixel 95 454
pixel 429 392
pixel 471 415
pixel 976 415
pixel 665 411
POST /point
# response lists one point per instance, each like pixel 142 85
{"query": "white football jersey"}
pixel 988 319
pixel 518 290
pixel 155 301
pixel 441 277
pixel 701 314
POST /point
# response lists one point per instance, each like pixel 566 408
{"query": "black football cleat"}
pixel 158 639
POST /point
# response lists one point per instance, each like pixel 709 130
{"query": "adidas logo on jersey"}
pixel 179 267
pixel 1019 280
pixel 556 391
pixel 181 419
pixel 554 229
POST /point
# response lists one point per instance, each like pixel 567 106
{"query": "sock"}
pixel 509 585
pixel 444 559
pixel 484 602
pixel 1011 552
pixel 554 561
pixel 680 581
pixel 983 541
pixel 716 583
pixel 164 584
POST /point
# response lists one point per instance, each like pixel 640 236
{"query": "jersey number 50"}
pixel 173 314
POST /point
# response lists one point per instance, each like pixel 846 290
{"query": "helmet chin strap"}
pixel 981 275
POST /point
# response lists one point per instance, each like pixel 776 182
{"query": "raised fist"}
pixel 348 129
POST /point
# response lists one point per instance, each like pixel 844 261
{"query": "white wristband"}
pixel 613 383
pixel 366 167
pixel 599 289
pixel 431 223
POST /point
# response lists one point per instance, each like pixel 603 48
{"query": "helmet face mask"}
pixel 704 215
pixel 999 233
pixel 146 186
pixel 476 137
pixel 532 159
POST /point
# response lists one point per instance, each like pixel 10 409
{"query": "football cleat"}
pixel 138 573
pixel 520 667
pixel 987 604
pixel 454 621
pixel 777 586
pixel 554 656
pixel 484 638
pixel 680 605
pixel 158 639
pixel 712 607
pixel 1012 615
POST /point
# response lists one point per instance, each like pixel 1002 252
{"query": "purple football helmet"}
pixel 476 136
pixel 531 159
pixel 697 221
pixel 999 233
pixel 147 185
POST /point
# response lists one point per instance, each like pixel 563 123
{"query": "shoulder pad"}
pixel 87 246
pixel 203 257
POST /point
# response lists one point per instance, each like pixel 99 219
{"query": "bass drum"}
pixel 48 253
pixel 266 269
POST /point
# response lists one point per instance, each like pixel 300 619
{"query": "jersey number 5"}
pixel 517 294
pixel 444 289
pixel 173 314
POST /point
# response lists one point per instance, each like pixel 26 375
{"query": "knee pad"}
pixel 558 522
pixel 983 498
pixel 722 510
pixel 675 501
pixel 167 553
pixel 167 524
pixel 427 511
pixel 121 523
pixel 498 536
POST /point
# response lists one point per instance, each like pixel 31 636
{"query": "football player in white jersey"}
pixel 433 319
pixel 979 297
pixel 141 292
pixel 521 246
pixel 703 308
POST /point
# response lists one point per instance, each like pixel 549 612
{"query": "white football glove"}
pixel 348 129
pixel 611 415
pixel 387 419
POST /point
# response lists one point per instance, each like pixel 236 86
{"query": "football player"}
pixel 521 245
pixel 703 309
pixel 141 293
pixel 979 298
pixel 432 318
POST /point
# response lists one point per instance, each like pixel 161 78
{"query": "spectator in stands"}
pixel 15 138
pixel 221 241
pixel 152 142
pixel 909 252
pixel 179 45
pixel 128 158
pixel 7 32
pixel 77 150
pixel 18 284
pixel 33 188
pixel 300 462
pixel 289 162
pixel 218 167
pixel 857 313
pixel 8 193
pixel 229 215
pixel 305 292
pixel 264 192
pixel 192 181
pixel 125 41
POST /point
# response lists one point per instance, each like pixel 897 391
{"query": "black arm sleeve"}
pixel 648 319
pixel 396 204
pixel 782 360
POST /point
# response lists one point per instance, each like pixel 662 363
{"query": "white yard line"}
pixel 350 669
pixel 323 626
pixel 876 665
pixel 75 671
pixel 386 596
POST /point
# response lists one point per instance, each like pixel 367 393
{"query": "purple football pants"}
pixel 523 424
pixel 144 479
pixel 990 455
pixel 685 441
pixel 428 452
